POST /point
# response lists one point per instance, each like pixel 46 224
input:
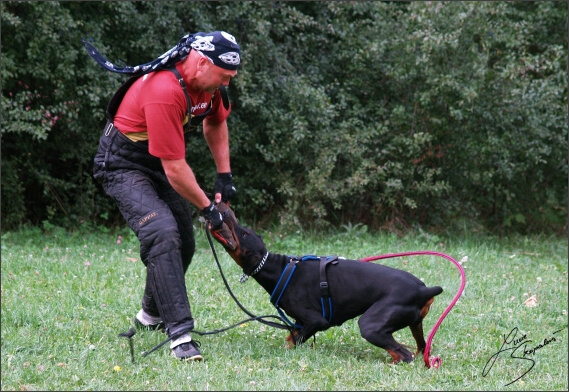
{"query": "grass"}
pixel 67 296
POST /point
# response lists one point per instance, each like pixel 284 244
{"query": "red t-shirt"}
pixel 156 104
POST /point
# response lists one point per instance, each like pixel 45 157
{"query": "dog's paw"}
pixel 291 339
pixel 400 355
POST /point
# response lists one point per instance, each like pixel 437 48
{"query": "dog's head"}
pixel 242 244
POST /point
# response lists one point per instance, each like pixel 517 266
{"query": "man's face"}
pixel 210 77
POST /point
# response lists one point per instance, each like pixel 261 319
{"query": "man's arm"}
pixel 183 180
pixel 217 138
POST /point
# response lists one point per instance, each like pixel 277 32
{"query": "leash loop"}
pixel 261 319
pixel 436 362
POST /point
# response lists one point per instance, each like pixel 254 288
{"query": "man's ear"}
pixel 203 63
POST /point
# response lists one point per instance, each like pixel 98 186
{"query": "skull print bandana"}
pixel 218 46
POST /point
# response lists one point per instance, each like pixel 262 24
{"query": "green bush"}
pixel 389 114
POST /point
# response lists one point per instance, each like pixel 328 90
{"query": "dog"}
pixel 322 292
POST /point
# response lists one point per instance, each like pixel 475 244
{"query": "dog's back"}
pixel 355 286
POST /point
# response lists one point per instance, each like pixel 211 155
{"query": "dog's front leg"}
pixel 292 338
pixel 299 336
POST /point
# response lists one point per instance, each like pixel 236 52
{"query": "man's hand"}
pixel 213 217
pixel 224 189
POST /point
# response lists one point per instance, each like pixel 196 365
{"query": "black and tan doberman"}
pixel 321 292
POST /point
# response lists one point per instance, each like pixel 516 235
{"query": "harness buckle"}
pixel 324 289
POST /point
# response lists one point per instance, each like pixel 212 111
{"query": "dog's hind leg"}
pixel 417 329
pixel 387 342
pixel 377 327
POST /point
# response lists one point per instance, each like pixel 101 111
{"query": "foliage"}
pixel 389 114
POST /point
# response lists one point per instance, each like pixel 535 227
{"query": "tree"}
pixel 390 114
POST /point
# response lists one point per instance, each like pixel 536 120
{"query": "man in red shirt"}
pixel 141 164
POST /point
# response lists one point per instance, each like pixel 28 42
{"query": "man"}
pixel 141 165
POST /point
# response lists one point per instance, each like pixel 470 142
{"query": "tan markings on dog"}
pixel 426 308
pixel 396 357
pixel 147 218
pixel 291 339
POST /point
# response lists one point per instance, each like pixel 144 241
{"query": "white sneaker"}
pixel 145 321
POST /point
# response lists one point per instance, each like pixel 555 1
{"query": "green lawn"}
pixel 66 297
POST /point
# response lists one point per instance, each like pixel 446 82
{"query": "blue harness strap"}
pixel 283 281
pixel 281 287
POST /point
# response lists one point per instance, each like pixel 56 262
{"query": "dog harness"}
pixel 325 298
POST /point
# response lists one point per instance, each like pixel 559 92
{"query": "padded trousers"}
pixel 160 218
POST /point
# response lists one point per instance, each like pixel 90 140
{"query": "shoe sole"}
pixel 196 358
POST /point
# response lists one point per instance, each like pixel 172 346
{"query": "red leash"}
pixel 430 361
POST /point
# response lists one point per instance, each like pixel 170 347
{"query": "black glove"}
pixel 212 216
pixel 224 185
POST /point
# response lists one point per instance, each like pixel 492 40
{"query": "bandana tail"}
pixel 103 62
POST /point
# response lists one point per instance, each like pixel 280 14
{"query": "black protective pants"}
pixel 160 218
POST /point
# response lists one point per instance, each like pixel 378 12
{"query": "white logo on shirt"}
pixel 199 106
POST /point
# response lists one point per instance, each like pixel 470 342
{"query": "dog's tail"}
pixel 426 296
pixel 429 292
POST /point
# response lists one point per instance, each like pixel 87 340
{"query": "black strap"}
pixel 224 97
pixel 183 85
pixel 194 121
pixel 117 98
pixel 222 90
pixel 252 317
pixel 325 298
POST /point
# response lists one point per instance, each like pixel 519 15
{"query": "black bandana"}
pixel 218 46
